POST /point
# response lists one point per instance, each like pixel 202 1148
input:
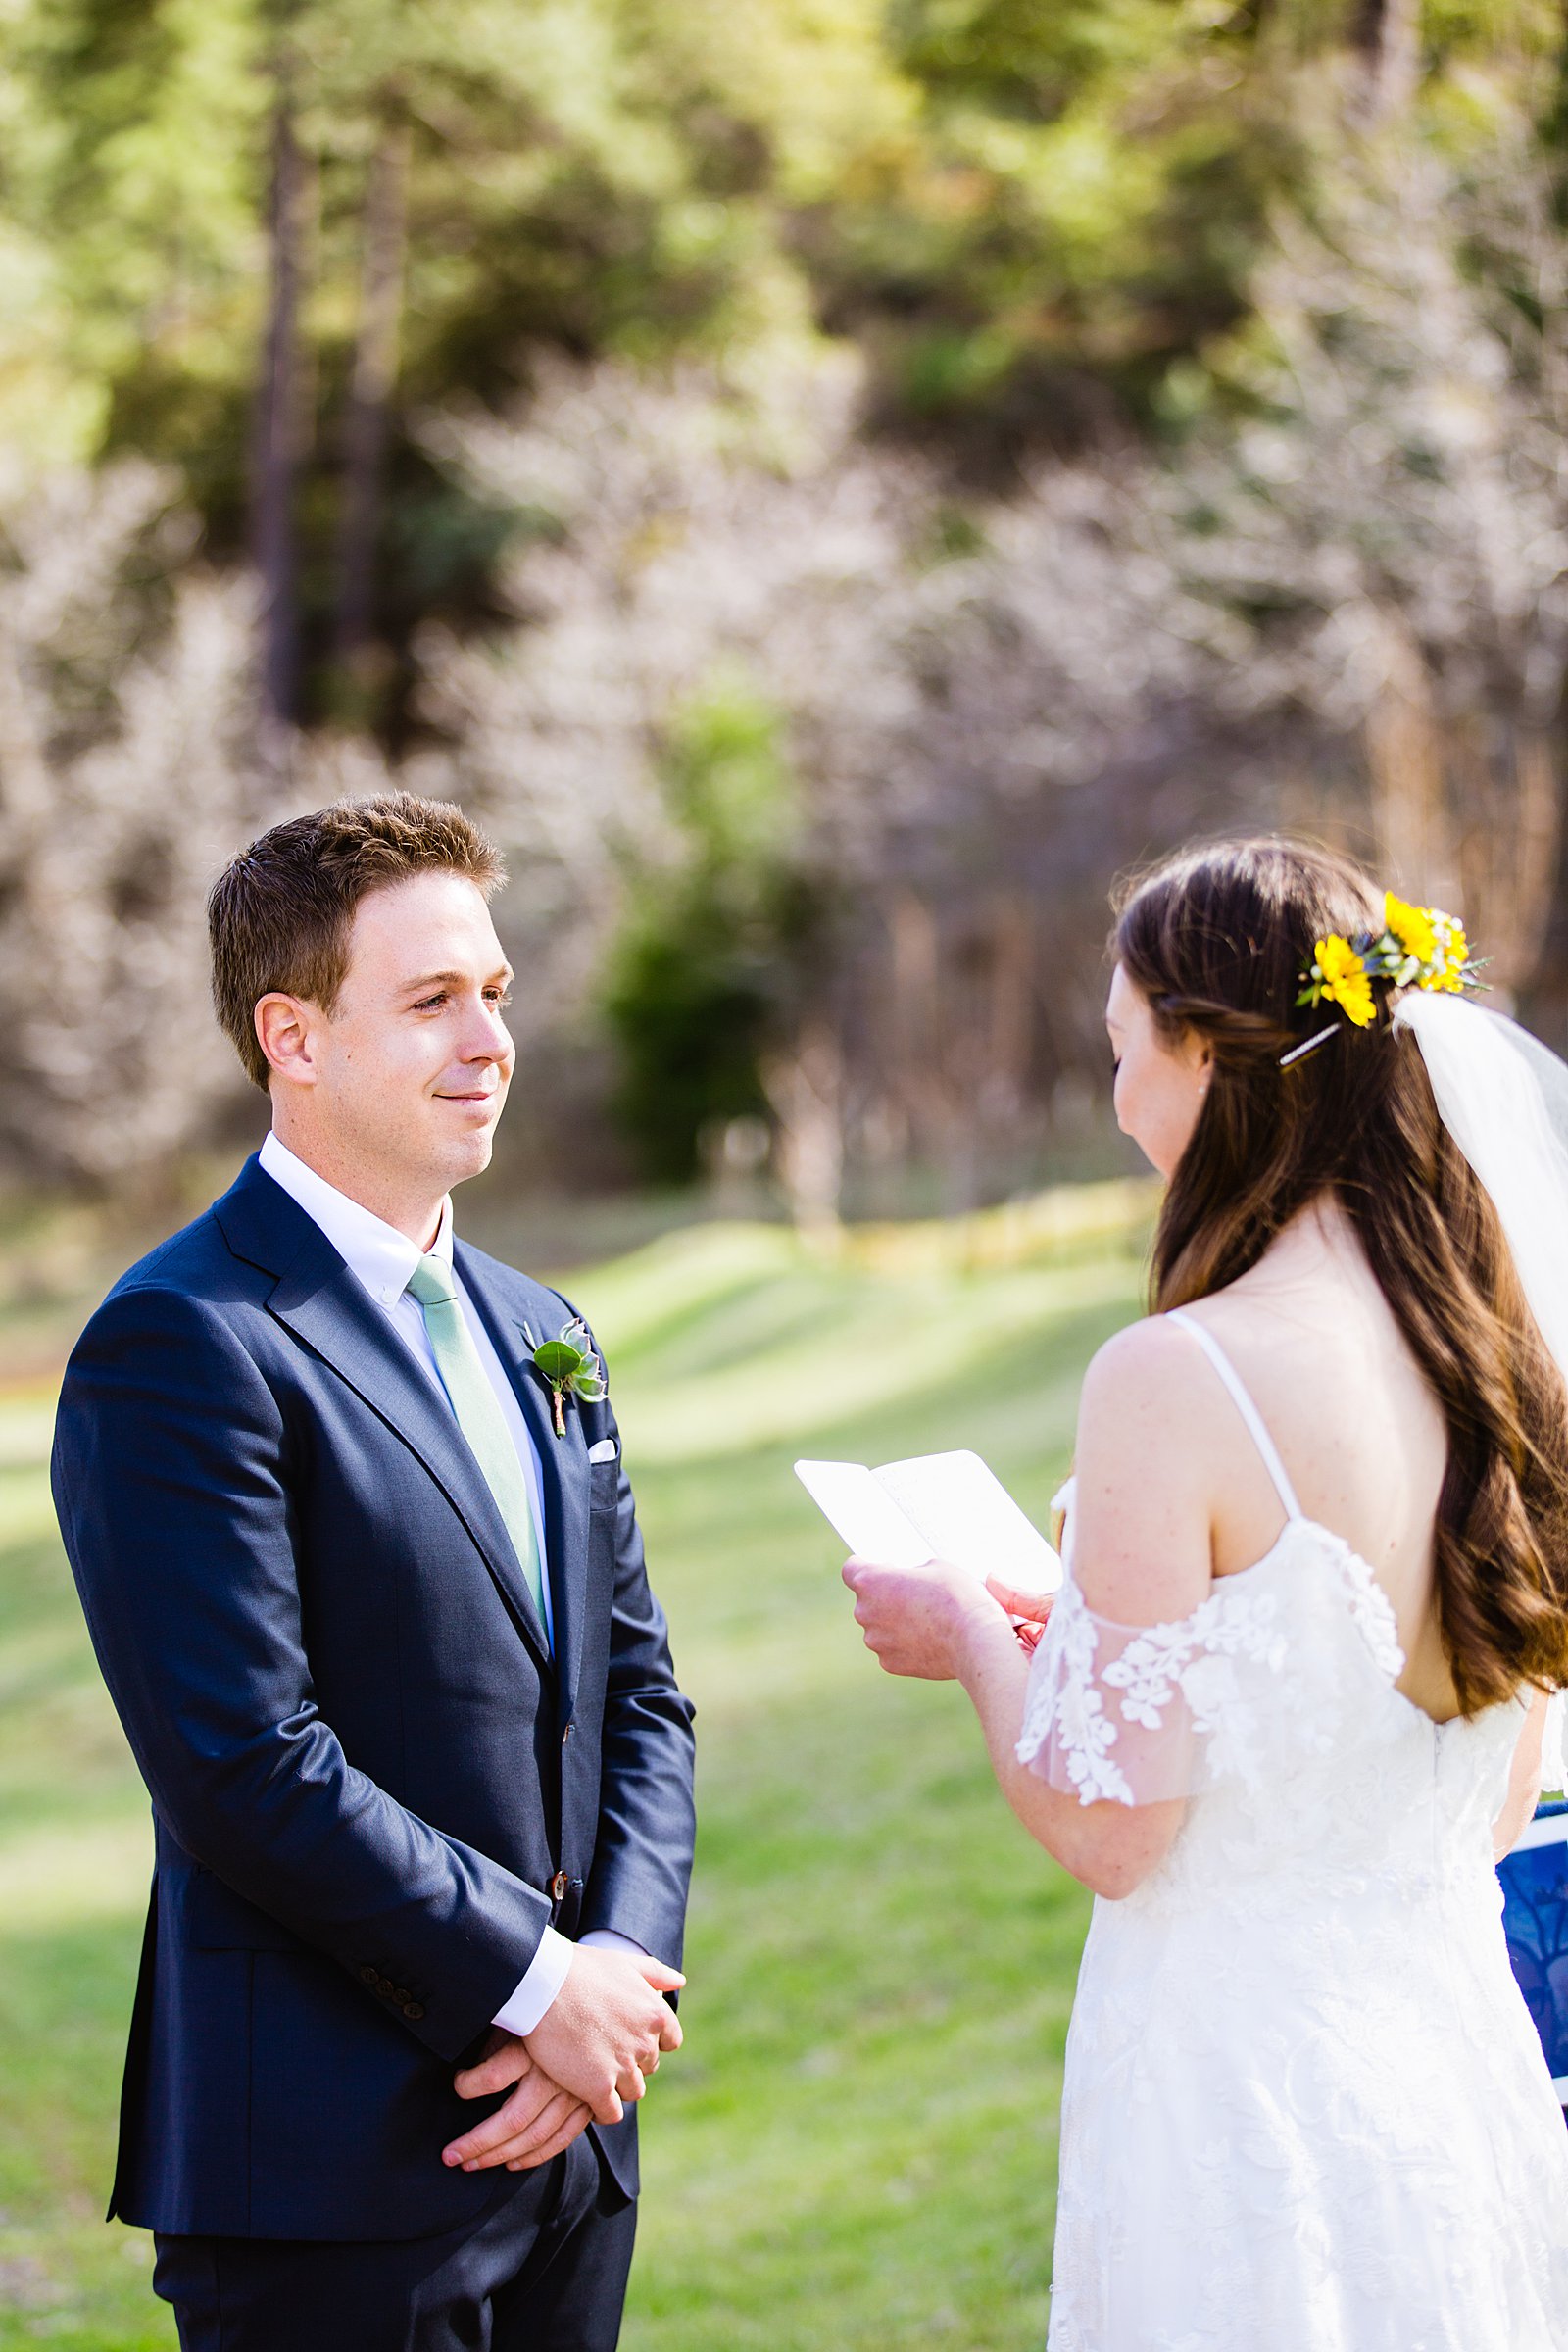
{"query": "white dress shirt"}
pixel 382 1259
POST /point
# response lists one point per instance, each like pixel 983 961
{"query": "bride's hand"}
pixel 918 1618
pixel 1027 1610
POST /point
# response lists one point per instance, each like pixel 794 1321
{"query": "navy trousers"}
pixel 544 2271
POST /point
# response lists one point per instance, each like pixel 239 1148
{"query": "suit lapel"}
pixel 322 1303
pixel 562 1461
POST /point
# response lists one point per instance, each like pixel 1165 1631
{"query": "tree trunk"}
pixel 1544 1005
pixel 1387 37
pixel 1012 1000
pixel 280 423
pixel 1417 847
pixel 805 1086
pixel 1510 791
pixel 375 369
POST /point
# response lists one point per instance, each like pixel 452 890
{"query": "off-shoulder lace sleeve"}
pixel 1140 1714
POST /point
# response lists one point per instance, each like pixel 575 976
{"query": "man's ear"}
pixel 286 1032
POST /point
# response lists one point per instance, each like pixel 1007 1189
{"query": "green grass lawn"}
pixel 857 2146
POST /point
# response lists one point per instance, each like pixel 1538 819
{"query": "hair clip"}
pixel 1322 1037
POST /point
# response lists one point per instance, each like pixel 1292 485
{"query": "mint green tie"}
pixel 478 1412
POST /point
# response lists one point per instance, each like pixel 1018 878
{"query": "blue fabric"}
pixel 544 2271
pixel 327 1661
pixel 1534 1919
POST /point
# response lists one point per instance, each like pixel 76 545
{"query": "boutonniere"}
pixel 568 1367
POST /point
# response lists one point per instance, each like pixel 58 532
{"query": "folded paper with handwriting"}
pixel 944 1507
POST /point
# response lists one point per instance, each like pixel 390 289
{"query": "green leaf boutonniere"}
pixel 568 1367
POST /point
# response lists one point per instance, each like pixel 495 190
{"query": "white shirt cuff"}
pixel 547 1973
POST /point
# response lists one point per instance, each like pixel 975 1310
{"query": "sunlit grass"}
pixel 855 2149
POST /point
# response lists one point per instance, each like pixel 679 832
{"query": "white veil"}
pixel 1503 1097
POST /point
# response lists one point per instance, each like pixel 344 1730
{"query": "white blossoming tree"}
pixel 126 777
pixel 939 682
pixel 1381 540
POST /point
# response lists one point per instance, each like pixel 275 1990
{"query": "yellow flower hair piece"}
pixel 1418 947
pixel 1414 927
pixel 1341 978
pixel 1453 969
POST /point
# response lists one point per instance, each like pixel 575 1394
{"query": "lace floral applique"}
pixel 1370 1607
pixel 1071 1707
pixel 1131 1713
pixel 1138 1715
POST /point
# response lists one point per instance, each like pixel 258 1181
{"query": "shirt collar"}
pixel 376 1253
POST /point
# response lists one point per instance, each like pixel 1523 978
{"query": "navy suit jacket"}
pixel 371 1785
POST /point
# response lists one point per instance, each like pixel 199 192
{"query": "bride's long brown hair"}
pixel 1216 939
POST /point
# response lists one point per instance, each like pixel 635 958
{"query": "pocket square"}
pixel 605 1452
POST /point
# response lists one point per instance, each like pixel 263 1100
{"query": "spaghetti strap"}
pixel 1245 1407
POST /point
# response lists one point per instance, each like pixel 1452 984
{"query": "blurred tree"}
pixel 128 773
pixel 708 587
pixel 1386 528
pixel 937 680
pixel 566 362
pixel 325 214
pixel 138 167
pixel 1081 204
pixel 373 384
pixel 1027 216
pixel 281 424
pixel 124 734
pixel 705 949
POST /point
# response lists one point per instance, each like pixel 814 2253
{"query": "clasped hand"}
pixel 918 1621
pixel 588 2058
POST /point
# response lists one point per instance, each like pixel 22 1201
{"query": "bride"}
pixel 1289 1704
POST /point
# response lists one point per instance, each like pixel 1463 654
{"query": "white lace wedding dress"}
pixel 1306 2108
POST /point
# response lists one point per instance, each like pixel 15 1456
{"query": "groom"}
pixel 376 1620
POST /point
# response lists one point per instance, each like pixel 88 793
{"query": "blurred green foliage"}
pixel 708 934
pixel 1027 214
pixel 1045 229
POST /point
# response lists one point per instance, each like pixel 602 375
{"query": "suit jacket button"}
pixel 367 1975
pixel 566 1734
pixel 413 2010
pixel 402 1995
pixel 383 1986
pixel 558 1887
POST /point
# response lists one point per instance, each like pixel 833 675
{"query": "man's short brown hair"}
pixel 280 913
